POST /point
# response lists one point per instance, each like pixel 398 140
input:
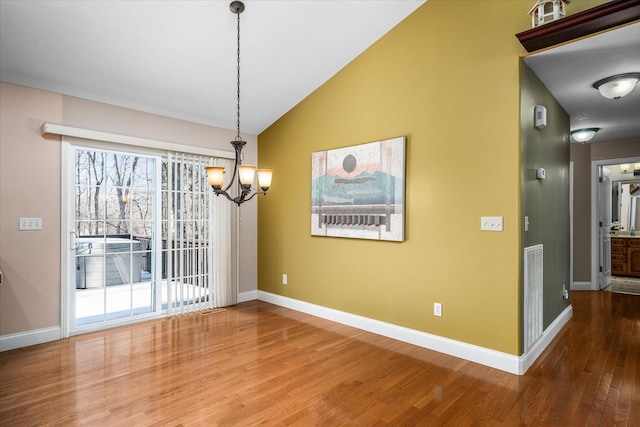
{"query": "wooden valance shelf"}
pixel 587 22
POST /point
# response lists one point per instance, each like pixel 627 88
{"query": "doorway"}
pixel 602 214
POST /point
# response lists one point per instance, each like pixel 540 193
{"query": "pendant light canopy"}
pixel 245 173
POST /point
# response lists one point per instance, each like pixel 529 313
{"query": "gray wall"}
pixel 546 202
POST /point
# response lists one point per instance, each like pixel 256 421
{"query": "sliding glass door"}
pixel 143 236
pixel 115 220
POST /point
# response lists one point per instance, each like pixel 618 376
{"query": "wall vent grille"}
pixel 533 295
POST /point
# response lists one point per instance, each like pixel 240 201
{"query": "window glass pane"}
pixel 114 198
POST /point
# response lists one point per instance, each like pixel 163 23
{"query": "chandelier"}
pixel 245 173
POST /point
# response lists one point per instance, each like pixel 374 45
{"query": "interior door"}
pixel 604 227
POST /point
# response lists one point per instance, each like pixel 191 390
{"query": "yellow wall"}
pixel 447 78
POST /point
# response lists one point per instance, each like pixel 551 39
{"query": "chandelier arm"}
pixel 224 193
pixel 242 197
pixel 254 195
pixel 233 179
pixel 238 147
pixel 258 190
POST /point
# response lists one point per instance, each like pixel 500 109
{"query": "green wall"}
pixel 546 202
pixel 448 79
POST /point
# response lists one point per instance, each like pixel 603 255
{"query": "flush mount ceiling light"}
pixel 615 87
pixel 245 173
pixel 584 135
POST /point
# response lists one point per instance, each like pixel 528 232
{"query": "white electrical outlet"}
pixel 284 279
pixel 491 223
pixel 437 309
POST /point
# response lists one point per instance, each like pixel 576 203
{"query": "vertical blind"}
pixel 199 237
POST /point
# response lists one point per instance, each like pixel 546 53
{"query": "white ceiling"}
pixel 570 70
pixel 178 58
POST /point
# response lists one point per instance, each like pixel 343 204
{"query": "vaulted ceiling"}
pixel 178 58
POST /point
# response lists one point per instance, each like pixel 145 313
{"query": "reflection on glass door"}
pixel 115 199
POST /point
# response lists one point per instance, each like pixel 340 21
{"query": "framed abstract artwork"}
pixel 358 191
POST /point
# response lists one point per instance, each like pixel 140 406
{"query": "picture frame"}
pixel 359 191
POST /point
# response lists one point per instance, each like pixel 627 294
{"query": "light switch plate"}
pixel 491 223
pixel 30 224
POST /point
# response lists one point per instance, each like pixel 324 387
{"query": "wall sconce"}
pixel 584 135
pixel 615 87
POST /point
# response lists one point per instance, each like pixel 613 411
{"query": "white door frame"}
pixel 603 209
pixel 571 182
pixel 595 244
pixel 142 145
pixel 65 242
pixel 68 279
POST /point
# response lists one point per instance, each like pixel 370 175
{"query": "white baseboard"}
pixel 581 286
pixel 247 296
pixel 484 356
pixel 548 335
pixel 39 336
pixel 25 339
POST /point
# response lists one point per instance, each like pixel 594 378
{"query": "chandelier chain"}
pixel 245 174
pixel 238 105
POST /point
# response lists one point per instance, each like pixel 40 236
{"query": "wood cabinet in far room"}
pixel 633 257
pixel 618 256
pixel 625 256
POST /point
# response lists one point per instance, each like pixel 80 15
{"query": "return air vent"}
pixel 533 291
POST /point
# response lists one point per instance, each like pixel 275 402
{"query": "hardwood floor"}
pixel 257 363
